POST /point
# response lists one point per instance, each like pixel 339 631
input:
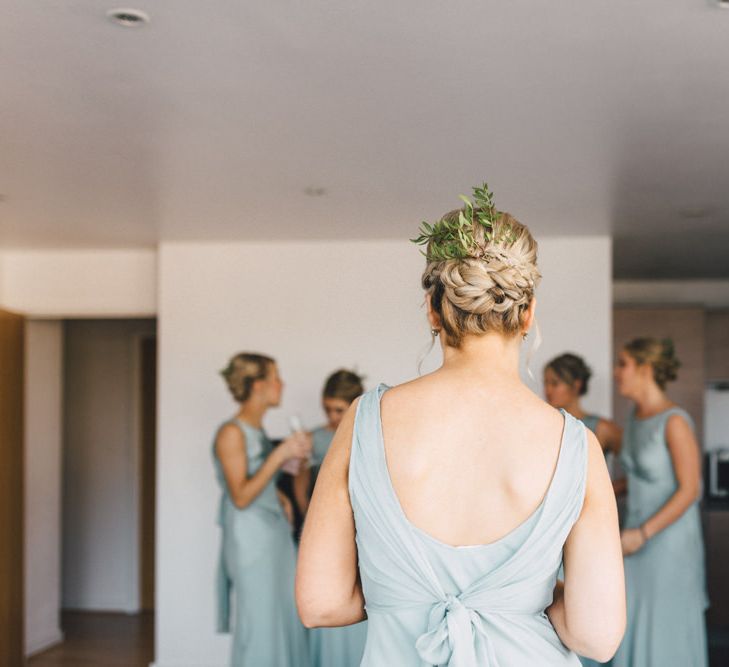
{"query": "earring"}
pixel 525 335
pixel 435 332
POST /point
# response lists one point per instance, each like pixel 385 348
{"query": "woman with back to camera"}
pixel 342 646
pixel 662 541
pixel 444 504
pixel 258 555
pixel 566 379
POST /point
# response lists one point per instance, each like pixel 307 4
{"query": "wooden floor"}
pixel 101 640
pixel 121 640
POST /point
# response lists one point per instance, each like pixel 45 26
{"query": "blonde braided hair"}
pixel 490 288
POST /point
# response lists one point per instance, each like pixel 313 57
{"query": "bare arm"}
pixel 230 447
pixel 328 591
pixel 588 612
pixel 685 456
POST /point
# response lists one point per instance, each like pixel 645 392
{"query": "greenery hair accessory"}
pixel 452 237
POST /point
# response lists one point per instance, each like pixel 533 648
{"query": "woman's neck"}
pixel 251 412
pixel 651 400
pixel 487 356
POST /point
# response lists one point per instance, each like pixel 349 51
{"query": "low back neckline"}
pixel 533 516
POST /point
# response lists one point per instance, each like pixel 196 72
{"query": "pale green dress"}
pixel 256 568
pixel 591 421
pixel 343 646
pixel 665 580
pixel 429 603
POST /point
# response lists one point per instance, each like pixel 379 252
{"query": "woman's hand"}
pixel 296 446
pixel 632 540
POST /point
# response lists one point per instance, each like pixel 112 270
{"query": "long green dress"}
pixel 256 568
pixel 343 646
pixel 665 580
pixel 429 603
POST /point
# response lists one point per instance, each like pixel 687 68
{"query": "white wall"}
pixel 314 307
pixel 43 423
pixel 716 419
pixel 79 283
pixel 101 466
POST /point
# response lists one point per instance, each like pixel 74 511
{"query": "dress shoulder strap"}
pixel 566 493
pixel 681 413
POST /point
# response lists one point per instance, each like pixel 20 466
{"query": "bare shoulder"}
pixel 595 454
pixel 598 487
pixel 229 437
pixel 678 423
pixel 678 429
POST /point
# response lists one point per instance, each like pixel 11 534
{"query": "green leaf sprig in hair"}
pixel 452 236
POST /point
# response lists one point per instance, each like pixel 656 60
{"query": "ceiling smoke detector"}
pixel 128 18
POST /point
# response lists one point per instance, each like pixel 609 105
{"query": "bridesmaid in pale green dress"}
pixel 566 381
pixel 257 559
pixel 662 540
pixel 445 504
pixel 342 646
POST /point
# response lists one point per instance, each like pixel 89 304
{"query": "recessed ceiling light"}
pixel 128 18
pixel 314 191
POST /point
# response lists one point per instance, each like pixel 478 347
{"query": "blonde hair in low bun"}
pixel 660 354
pixel 242 371
pixel 489 291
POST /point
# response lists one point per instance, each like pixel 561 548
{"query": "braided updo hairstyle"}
pixel 242 371
pixel 489 291
pixel 660 354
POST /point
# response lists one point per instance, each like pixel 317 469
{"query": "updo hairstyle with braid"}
pixel 660 354
pixel 242 371
pixel 491 288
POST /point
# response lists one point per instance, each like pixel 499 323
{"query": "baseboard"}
pixel 40 645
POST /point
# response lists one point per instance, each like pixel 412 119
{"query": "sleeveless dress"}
pixel 591 421
pixel 665 581
pixel 257 565
pixel 343 646
pixel 429 603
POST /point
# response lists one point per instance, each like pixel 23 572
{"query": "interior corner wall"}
pixel 43 426
pixel 314 307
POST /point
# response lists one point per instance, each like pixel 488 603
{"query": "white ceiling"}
pixel 210 122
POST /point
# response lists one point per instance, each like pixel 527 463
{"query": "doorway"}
pixel 107 370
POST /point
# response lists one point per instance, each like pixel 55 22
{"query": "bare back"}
pixel 469 462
